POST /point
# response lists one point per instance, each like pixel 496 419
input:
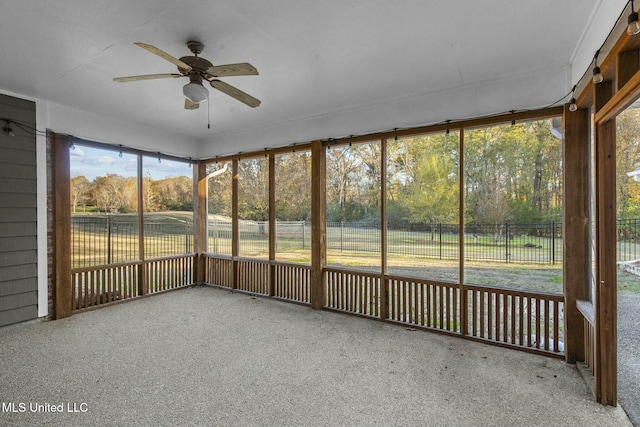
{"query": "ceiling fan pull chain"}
pixel 208 114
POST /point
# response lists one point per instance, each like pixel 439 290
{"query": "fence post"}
pixel 186 237
pixel 216 249
pixel 635 238
pixel 109 248
pixel 506 246
pixel 553 242
pixel 303 224
pixel 341 228
pixel 440 237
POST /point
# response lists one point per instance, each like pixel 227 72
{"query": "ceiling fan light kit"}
pixel 194 91
pixel 199 69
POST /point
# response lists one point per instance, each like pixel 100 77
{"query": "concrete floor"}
pixel 629 354
pixel 206 356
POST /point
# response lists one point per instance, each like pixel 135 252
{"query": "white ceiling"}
pixel 327 68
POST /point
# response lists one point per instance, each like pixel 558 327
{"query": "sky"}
pixel 93 162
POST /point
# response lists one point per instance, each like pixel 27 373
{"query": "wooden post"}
pixel 200 220
pixel 143 286
pixel 606 292
pixel 272 224
pixel 235 232
pixel 62 226
pixel 464 298
pixel 575 229
pixel 384 281
pixel 318 224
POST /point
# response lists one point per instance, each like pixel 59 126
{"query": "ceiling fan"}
pixel 199 69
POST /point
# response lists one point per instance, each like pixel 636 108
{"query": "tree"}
pixel 293 186
pixel 219 189
pixel 422 179
pixel 115 193
pixel 80 192
pixel 628 160
pixel 354 182
pixel 253 189
pixel 174 193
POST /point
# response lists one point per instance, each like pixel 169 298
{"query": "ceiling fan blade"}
pixel 235 93
pixel 188 105
pixel 146 77
pixel 242 69
pixel 165 55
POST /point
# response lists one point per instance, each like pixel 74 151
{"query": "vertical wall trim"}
pixel 41 176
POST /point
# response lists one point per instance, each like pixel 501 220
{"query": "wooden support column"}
pixel 62 226
pixel 318 224
pixel 606 292
pixel 200 222
pixel 143 286
pixel 384 280
pixel 464 299
pixel 575 228
pixel 272 224
pixel 235 232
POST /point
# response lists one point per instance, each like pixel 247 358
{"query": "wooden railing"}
pixel 519 319
pixel 353 291
pixel 168 273
pixel 92 286
pixel 288 281
pixel 516 318
pixel 586 309
pixel 219 271
pixel 292 281
pixel 425 303
pixel 253 275
pixel 102 284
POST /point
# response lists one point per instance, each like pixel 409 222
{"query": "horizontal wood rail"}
pixel 529 321
pixel 102 284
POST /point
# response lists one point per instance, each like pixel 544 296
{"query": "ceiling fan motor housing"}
pixel 195 47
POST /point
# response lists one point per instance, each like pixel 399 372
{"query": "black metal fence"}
pixel 109 239
pixel 517 243
pixel 628 239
